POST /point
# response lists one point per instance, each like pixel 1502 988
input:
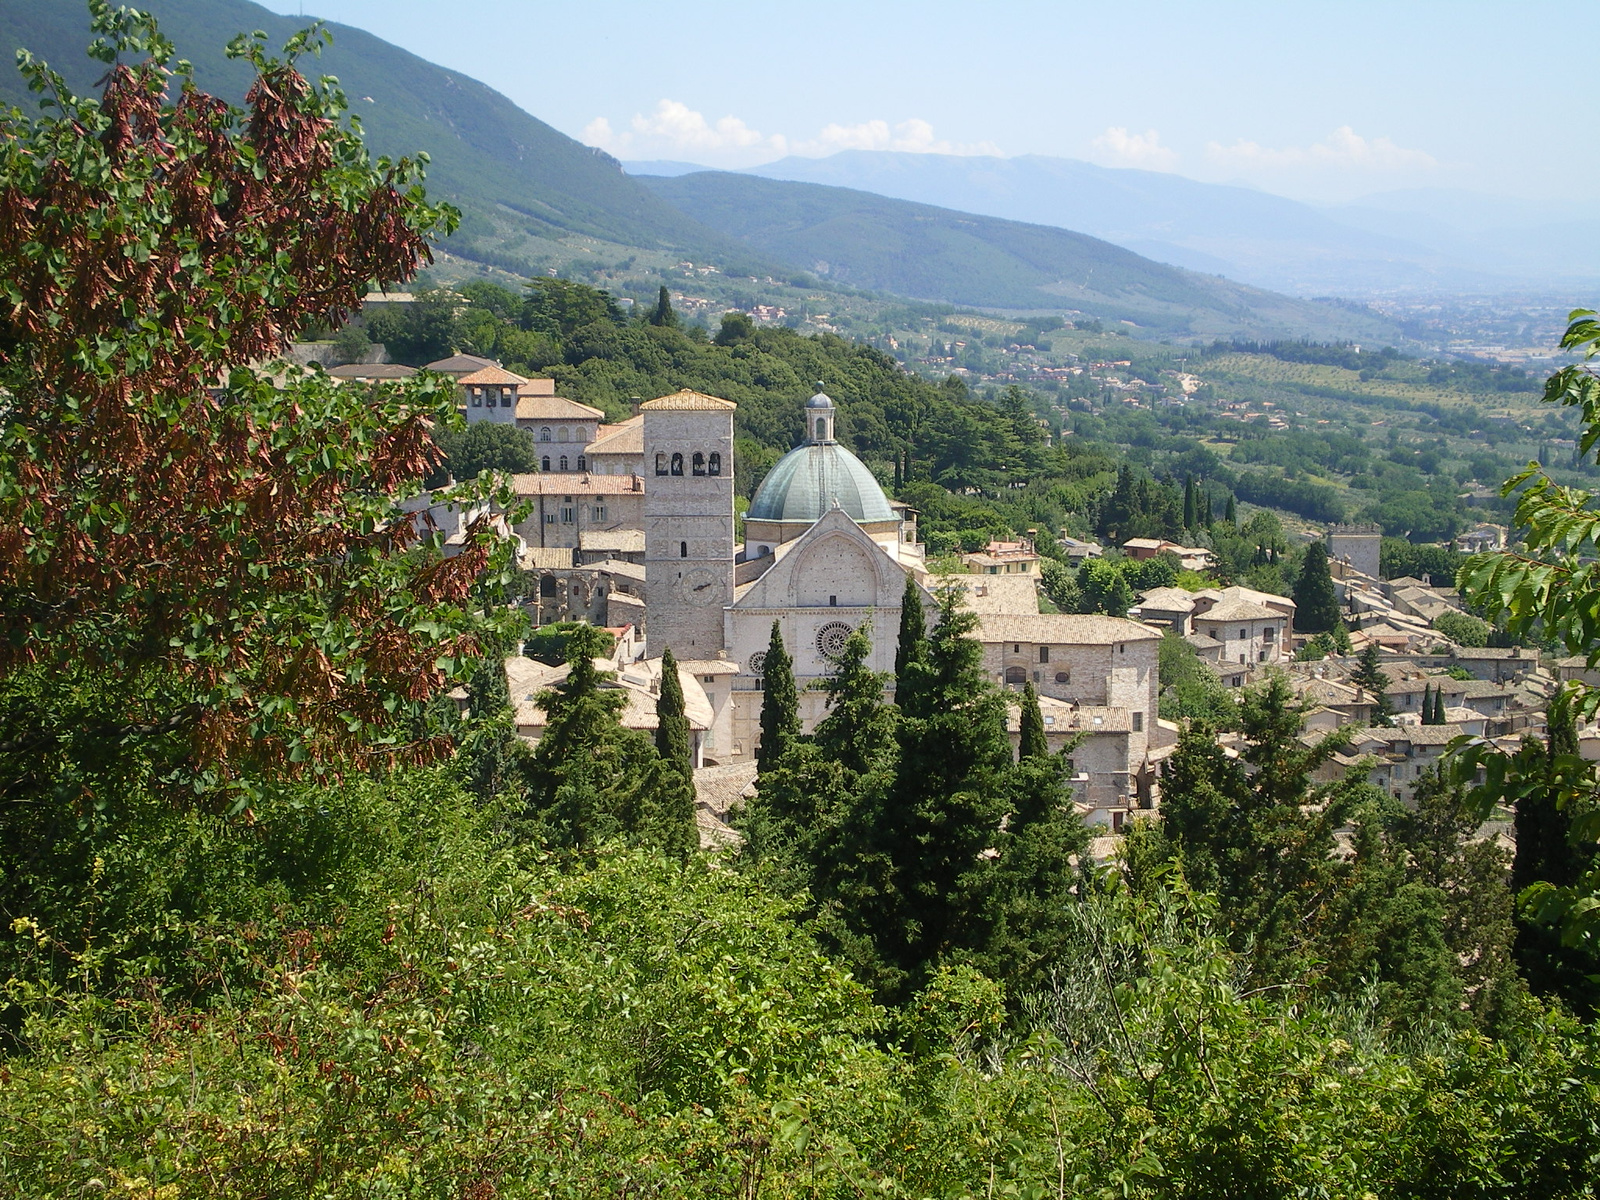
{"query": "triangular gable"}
pixel 779 587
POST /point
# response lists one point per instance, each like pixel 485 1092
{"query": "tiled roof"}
pixel 546 558
pixel 1240 610
pixel 1168 599
pixel 490 374
pixel 1000 593
pixel 626 438
pixel 460 364
pixel 1062 629
pixel 373 371
pixel 627 541
pixel 581 485
pixel 555 408
pixel 687 400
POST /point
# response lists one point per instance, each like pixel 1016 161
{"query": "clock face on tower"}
pixel 699 586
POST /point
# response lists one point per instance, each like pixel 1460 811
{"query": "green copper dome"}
pixel 807 480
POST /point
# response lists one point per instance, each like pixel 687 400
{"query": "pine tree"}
pixel 1427 704
pixel 1190 513
pixel 664 314
pixel 1370 676
pixel 912 646
pixel 780 702
pixel 672 723
pixel 1316 603
pixel 1548 853
pixel 1032 743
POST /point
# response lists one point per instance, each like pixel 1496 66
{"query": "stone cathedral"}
pixel 824 551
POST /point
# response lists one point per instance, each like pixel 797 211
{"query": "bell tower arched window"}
pixel 714 464
pixel 661 464
pixel 699 463
pixel 683 549
pixel 822 429
pixel 677 464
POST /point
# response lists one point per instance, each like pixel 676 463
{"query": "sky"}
pixel 1321 101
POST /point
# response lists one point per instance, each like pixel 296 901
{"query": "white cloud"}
pixel 1344 148
pixel 1116 147
pixel 909 137
pixel 674 128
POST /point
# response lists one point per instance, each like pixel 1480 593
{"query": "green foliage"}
pixel 489 446
pixel 1316 604
pixel 672 723
pixel 1463 629
pixel 780 702
pixel 1370 676
pixel 1104 589
pixel 1032 743
pixel 549 643
pixel 1190 689
pixel 1435 564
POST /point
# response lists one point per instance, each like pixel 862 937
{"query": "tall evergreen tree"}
pixel 1427 704
pixel 780 702
pixel 664 315
pixel 1205 511
pixel 1190 513
pixel 1316 603
pixel 1032 743
pixel 1231 513
pixel 487 756
pixel 1439 715
pixel 672 722
pixel 1370 676
pixel 1547 852
pixel 912 645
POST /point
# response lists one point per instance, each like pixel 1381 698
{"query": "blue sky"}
pixel 1321 101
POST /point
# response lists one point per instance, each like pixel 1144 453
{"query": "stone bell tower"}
pixel 688 522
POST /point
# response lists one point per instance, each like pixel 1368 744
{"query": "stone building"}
pixel 1357 546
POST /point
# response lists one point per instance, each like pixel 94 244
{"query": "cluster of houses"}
pixel 630 526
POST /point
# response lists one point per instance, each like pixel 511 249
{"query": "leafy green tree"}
pixel 736 328
pixel 489 446
pixel 421 332
pixel 672 722
pixel 549 643
pixel 1463 629
pixel 487 759
pixel 1104 588
pixel 1316 604
pixel 1060 586
pixel 780 702
pixel 1190 689
pixel 351 344
pixel 1371 677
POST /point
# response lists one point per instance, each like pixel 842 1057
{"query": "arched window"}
pixel 544 463
pixel 677 464
pixel 544 433
pixel 583 463
pixel 1016 675
pixel 699 463
pixel 585 434
pixel 714 464
pixel 547 585
pixel 683 549
pixel 508 398
pixel 563 462
pixel 561 434
pixel 822 427
pixel 661 464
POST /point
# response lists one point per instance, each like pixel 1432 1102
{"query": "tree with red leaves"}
pixel 206 581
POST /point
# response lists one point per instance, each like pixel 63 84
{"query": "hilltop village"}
pixel 632 527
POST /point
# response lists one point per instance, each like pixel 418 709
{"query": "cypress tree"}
pixel 1205 511
pixel 780 703
pixel 1190 513
pixel 672 723
pixel 912 645
pixel 1439 717
pixel 1316 604
pixel 1427 704
pixel 487 756
pixel 1032 743
pixel 664 314
pixel 1230 514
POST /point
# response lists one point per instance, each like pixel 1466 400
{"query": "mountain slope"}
pixel 930 253
pixel 513 176
pixel 1266 240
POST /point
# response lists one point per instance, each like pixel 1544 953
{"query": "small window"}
pixel 550 518
pixel 714 464
pixel 544 433
pixel 1063 677
pixel 677 464
pixel 567 515
pixel 1015 648
pixel 1269 634
pixel 661 464
pixel 563 462
pixel 509 399
pixel 476 397
pixel 1243 633
pixel 563 434
pixel 599 512
pixel 544 463
pixel 1036 677
pixel 683 549
pixel 699 465
pixel 583 463
pixel 1263 657
pixel 833 602
pixel 1138 722
pixel 1044 653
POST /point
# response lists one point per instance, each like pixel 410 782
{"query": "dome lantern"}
pixel 819 418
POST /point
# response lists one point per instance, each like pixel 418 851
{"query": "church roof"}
pixel 807 481
pixel 687 400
